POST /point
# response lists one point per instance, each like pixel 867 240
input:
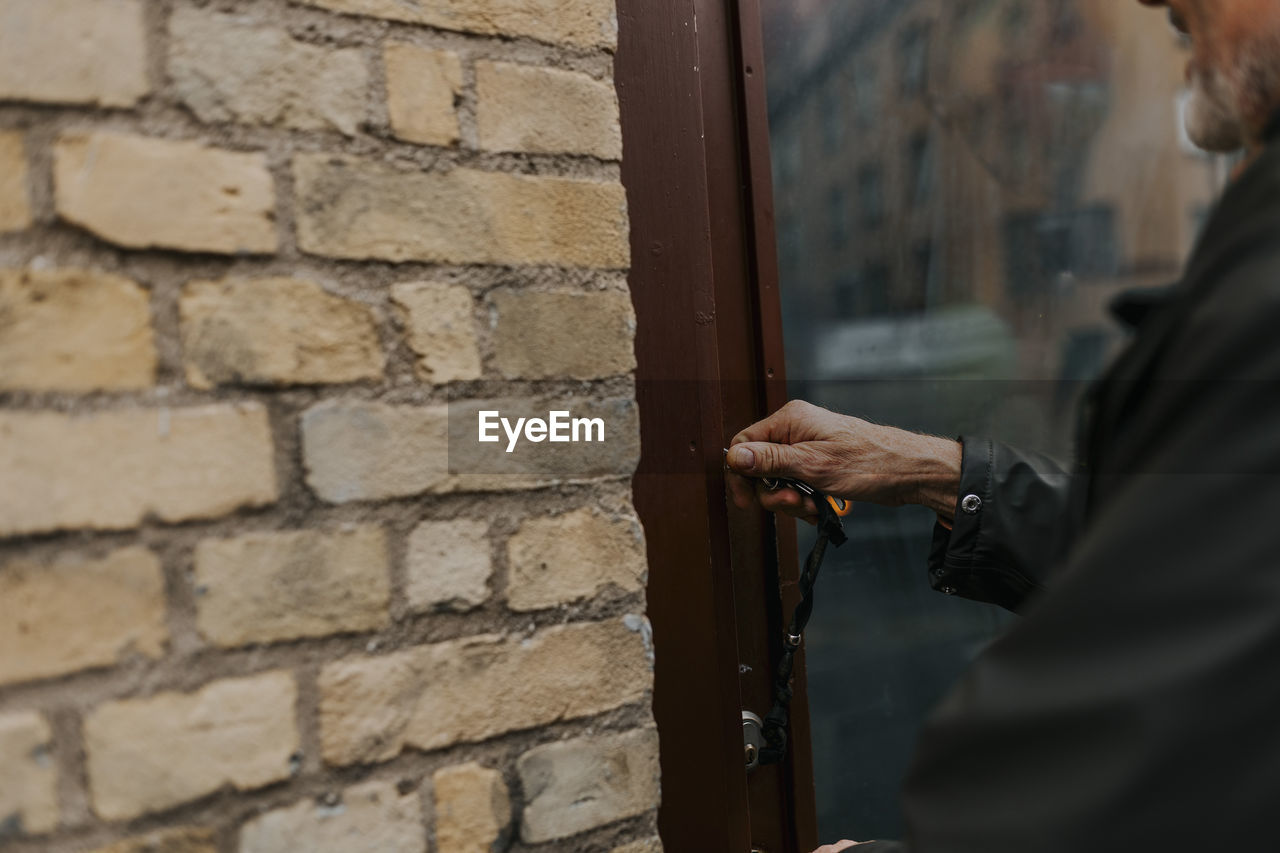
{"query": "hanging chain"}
pixel 774 731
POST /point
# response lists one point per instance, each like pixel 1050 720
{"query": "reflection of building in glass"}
pixel 1021 155
pixel 960 187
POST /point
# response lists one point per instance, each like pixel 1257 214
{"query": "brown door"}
pixel 709 346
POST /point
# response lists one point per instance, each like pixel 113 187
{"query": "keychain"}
pixel 773 728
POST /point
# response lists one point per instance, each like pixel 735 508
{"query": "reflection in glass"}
pixel 961 186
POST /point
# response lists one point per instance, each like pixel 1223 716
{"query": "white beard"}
pixel 1211 119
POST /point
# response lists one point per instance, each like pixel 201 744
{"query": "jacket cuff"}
pixel 953 553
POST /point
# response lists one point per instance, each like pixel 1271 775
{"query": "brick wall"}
pixel 250 252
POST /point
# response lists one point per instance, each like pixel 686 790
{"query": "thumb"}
pixel 762 459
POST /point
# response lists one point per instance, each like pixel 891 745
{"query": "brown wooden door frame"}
pixel 709 346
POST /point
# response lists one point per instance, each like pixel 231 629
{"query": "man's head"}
pixel 1234 72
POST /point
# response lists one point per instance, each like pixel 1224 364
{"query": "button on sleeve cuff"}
pixel 1006 509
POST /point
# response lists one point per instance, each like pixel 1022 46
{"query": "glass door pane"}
pixel 961 186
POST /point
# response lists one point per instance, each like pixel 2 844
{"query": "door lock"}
pixel 752 738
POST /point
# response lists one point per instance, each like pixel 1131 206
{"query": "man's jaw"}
pixel 1212 122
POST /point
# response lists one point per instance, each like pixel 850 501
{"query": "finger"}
pixel 787 501
pixel 784 426
pixel 796 511
pixel 741 489
pixel 762 459
pixel 793 509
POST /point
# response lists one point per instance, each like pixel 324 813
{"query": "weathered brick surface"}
pixel 15 202
pixel 560 559
pixel 370 451
pixel 108 470
pixel 448 564
pixel 358 209
pixel 29 781
pixel 576 785
pixel 233 68
pixel 546 110
pixel 145 193
pixel 370 818
pixel 73 51
pixel 74 330
pixel 432 696
pixel 181 840
pixel 585 23
pixel 144 755
pixel 580 335
pixel 440 328
pixel 246 520
pixel 422 87
pixel 473 808
pixel 74 613
pixel 275 331
pixel 270 586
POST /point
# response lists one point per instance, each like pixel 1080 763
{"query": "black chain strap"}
pixel 774 731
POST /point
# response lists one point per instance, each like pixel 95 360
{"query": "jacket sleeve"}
pixel 1010 525
pixel 1134 707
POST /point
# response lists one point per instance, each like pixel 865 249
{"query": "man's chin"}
pixel 1215 139
pixel 1210 122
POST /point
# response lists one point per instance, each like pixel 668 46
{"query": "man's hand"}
pixel 837 847
pixel 841 456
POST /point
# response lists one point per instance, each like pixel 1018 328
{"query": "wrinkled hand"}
pixel 843 456
pixel 837 847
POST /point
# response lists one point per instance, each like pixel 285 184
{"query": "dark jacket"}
pixel 1136 706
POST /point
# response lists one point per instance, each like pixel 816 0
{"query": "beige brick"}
pixel 560 559
pixel 29 783
pixel 235 68
pixel 75 613
pixel 448 564
pixel 144 193
pixel 473 808
pixel 648 845
pixel 145 755
pixel 546 110
pixel 15 202
pixel 488 466
pixel 433 696
pixel 272 586
pixel 422 87
pixel 372 451
pixel 184 839
pixel 359 209
pixel 355 451
pixel 275 331
pixel 73 51
pixel 563 334
pixel 370 818
pixel 585 23
pixel 577 785
pixel 441 330
pixel 109 470
pixel 74 330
